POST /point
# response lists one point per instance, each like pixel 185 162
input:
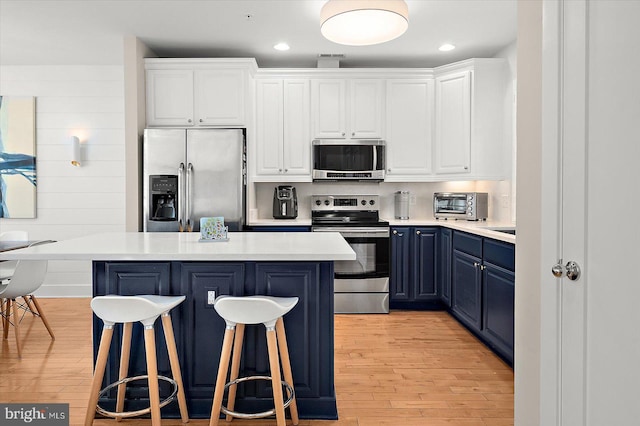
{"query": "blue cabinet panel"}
pixel 466 289
pixel 399 279
pixel 499 253
pixel 445 265
pixel 467 243
pixel 425 263
pixel 498 309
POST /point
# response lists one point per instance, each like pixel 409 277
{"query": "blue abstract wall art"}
pixel 17 157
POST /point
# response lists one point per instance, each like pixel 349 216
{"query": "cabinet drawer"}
pixel 467 243
pixel 500 254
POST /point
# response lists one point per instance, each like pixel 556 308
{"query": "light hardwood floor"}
pixel 402 369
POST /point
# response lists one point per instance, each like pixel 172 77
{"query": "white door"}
pixel 590 327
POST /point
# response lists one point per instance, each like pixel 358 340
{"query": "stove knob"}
pixel 326 202
pixel 372 202
pixel 318 202
pixel 363 202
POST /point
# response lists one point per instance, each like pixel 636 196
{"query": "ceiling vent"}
pixel 329 60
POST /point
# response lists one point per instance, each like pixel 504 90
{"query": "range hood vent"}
pixel 329 60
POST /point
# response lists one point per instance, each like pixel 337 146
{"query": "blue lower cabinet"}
pixel 415 253
pixel 498 309
pixel 466 285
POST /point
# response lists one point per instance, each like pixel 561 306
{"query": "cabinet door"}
pixel 425 263
pixel 328 102
pixel 130 279
pixel 297 143
pixel 409 129
pixel 498 308
pixel 445 265
pixel 453 123
pixel 200 339
pixel 269 122
pixel 466 289
pixel 220 97
pixel 170 98
pixel 302 324
pixel 366 109
pixel 400 264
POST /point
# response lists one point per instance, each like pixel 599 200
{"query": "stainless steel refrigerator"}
pixel 194 173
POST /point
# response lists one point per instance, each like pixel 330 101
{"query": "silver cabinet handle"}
pixel 201 120
pixel 286 170
pixel 279 170
pixel 188 200
pixel 418 232
pixel 395 232
pixel 476 264
pixel 353 133
pixel 343 133
pixel 482 267
pixel 189 121
pixel 399 234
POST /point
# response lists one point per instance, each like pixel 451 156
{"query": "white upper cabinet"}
pixel 283 145
pixel 170 98
pixel 470 120
pixel 343 109
pixel 409 130
pixel 453 123
pixel 206 92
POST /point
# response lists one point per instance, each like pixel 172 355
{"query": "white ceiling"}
pixel 54 32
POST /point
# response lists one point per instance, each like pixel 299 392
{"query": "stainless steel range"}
pixel 360 285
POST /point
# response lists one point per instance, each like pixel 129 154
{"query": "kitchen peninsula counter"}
pixel 261 263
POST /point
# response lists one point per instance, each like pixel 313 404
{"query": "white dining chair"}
pixel 7 267
pixel 27 278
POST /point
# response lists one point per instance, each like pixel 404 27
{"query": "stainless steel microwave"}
pixel 460 205
pixel 338 160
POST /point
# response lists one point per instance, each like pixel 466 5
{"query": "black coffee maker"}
pixel 285 202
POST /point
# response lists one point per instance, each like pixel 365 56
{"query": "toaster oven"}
pixel 460 205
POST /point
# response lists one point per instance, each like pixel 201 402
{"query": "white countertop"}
pixel 242 246
pixel 482 228
pixel 281 222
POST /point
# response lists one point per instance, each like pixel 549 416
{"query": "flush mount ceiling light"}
pixel 446 47
pixel 363 22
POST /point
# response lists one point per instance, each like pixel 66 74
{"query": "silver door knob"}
pixel 573 270
pixel 558 269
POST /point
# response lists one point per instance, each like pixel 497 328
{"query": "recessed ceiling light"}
pixel 281 46
pixel 446 47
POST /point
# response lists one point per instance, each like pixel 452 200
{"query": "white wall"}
pixel 87 101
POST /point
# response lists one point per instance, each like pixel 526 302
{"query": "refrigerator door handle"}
pixel 188 200
pixel 181 197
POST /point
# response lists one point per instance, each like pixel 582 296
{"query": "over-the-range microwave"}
pixel 340 160
pixel 461 205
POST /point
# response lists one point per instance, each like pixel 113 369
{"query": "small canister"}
pixel 402 204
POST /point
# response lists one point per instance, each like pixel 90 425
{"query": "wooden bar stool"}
pixel 127 310
pixel 237 312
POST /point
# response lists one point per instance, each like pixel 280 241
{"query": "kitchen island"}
pixel 275 264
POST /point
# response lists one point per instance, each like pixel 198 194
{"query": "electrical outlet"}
pixel 211 297
pixel 504 201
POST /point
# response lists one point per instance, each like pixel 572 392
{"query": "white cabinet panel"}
pixel 409 130
pixel 343 109
pixel 220 97
pixel 283 144
pixel 170 97
pixel 453 123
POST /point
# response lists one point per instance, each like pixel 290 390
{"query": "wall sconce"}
pixel 75 151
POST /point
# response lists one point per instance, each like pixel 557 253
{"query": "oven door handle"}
pixel 366 232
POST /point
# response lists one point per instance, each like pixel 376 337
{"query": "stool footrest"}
pixel 127 414
pixel 263 413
